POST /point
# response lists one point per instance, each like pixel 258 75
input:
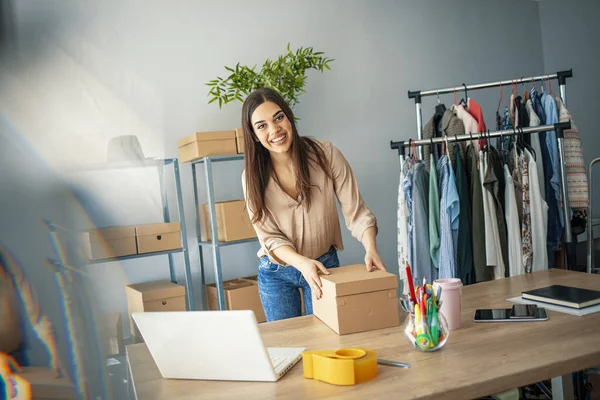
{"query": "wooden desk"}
pixel 479 359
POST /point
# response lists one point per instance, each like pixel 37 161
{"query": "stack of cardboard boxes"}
pixel 129 240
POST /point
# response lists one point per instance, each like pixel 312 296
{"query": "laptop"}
pixel 212 345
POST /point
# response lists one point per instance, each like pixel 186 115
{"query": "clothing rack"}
pixel 561 76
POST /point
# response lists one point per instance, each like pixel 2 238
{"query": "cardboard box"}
pixel 111 334
pixel 240 294
pixel 158 237
pixel 355 300
pixel 233 221
pixel 239 140
pixel 44 385
pixel 109 242
pixel 204 144
pixel 162 295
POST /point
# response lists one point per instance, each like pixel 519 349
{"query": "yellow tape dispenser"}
pixel 340 367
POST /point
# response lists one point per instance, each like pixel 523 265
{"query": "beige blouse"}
pixel 312 232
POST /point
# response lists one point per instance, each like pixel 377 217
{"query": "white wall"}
pixel 83 73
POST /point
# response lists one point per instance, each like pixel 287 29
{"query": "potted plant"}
pixel 286 74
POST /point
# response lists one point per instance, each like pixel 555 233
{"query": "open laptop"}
pixel 212 345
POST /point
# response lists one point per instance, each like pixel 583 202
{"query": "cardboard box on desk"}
pixel 233 221
pixel 355 300
pixel 204 144
pixel 240 294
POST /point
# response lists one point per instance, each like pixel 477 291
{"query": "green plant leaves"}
pixel 286 74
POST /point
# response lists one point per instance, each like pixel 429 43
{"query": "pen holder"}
pixel 422 336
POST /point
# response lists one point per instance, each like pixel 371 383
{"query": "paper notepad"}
pixel 552 307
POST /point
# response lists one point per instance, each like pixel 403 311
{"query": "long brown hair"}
pixel 257 160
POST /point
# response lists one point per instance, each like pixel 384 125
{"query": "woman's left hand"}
pixel 373 261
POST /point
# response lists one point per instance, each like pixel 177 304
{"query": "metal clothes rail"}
pixel 561 76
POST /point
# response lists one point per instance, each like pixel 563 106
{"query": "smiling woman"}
pixel 291 184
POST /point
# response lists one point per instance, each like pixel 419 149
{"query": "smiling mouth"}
pixel 279 139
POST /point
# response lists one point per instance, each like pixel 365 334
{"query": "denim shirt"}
pixel 449 211
pixel 551 168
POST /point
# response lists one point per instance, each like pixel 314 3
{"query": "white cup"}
pixel 451 300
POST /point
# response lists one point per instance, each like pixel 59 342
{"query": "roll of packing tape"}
pixel 340 367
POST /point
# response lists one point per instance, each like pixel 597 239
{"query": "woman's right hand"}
pixel 310 270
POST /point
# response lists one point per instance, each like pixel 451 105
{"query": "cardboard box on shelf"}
pixel 355 300
pixel 115 241
pixel 239 140
pixel 233 222
pixel 45 386
pixel 240 294
pixel 204 144
pixel 158 237
pixel 162 295
pixel 111 334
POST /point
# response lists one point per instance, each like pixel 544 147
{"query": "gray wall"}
pixel 85 73
pixel 571 39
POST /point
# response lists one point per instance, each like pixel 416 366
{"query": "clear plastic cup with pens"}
pixel 425 327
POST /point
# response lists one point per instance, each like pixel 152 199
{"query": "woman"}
pixel 290 185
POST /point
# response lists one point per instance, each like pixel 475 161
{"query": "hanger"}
pixel 526 145
pixel 440 108
pixel 499 101
pixel 464 101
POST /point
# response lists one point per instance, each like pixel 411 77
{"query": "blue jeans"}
pixel 278 287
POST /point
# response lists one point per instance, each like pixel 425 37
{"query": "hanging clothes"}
pixel 526 217
pixel 449 210
pixel 434 214
pixel 577 183
pixel 492 243
pixel 422 265
pixel 495 187
pixel 515 255
pixel 539 219
pixel 402 229
pixel 474 109
pixel 407 185
pixel 552 174
pixel 536 101
pixel 482 272
pixel 452 125
pixel 431 130
pixel 537 147
pixel 464 248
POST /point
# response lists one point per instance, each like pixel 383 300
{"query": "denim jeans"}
pixel 278 287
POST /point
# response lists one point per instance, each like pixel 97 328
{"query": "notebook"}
pixel 567 296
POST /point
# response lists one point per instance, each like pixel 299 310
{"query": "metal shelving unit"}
pixel 214 244
pixel 160 165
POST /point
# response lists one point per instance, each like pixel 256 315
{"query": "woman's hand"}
pixel 310 270
pixel 373 261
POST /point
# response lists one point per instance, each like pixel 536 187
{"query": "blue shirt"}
pixel 552 172
pixel 449 211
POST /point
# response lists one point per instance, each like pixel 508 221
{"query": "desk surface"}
pixel 478 359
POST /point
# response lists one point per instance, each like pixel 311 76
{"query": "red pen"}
pixel 411 287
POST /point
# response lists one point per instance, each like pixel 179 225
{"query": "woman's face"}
pixel 272 127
